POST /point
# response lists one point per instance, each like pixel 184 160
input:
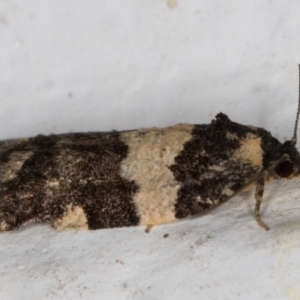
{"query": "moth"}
pixel 138 177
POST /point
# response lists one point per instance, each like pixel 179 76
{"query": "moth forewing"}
pixel 139 177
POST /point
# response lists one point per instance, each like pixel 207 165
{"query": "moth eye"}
pixel 284 169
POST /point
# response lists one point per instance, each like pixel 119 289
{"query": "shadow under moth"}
pixel 139 177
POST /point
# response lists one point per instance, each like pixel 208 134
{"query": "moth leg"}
pixel 259 197
pixel 148 228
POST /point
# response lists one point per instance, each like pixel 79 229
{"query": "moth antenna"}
pixel 294 139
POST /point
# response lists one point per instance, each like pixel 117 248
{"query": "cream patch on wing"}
pixel 74 218
pixel 9 170
pixel 3 226
pixel 151 152
pixel 250 151
pixel 227 191
pixel 231 136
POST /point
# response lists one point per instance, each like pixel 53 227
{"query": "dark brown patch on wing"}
pixel 78 169
pixel 206 168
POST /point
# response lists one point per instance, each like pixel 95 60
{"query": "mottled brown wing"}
pixel 221 159
pixel 43 178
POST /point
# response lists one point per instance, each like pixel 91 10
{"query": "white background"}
pixel 114 64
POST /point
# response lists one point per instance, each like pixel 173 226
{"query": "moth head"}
pixel 288 166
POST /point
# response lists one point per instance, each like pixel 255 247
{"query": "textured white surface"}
pixel 103 65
